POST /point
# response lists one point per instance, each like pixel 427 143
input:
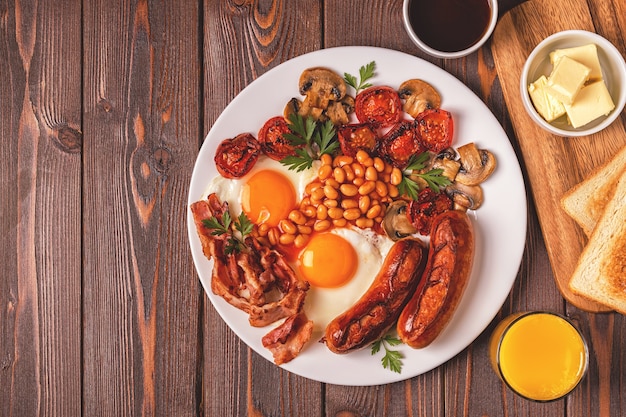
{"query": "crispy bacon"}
pixel 287 340
pixel 256 280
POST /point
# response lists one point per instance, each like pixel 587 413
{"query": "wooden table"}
pixel 104 107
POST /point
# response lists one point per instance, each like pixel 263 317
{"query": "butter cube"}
pixel 592 102
pixel 566 79
pixel 586 55
pixel 546 105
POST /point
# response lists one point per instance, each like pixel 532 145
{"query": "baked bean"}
pixel 305 230
pixel 335 213
pixel 364 203
pixel 349 203
pixel 342 160
pixel 349 190
pixel 358 181
pixel 321 225
pixel 297 217
pixel 273 236
pixel 317 194
pixel 331 192
pixel 301 241
pixel 287 226
pixel 359 170
pixel 322 212
pixel 326 159
pixel 286 239
pixel 367 187
pixel 312 186
pixel 393 191
pixel 339 174
pixel 309 210
pixel 396 176
pixel 379 164
pixel 364 222
pixel 374 211
pixel 371 174
pixel 330 203
pixel 381 189
pixel 352 213
pixel 340 222
pixel 325 171
pixel 263 229
pixel 349 172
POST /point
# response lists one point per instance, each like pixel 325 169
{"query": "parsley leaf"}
pixel 365 73
pixel 234 242
pixel 393 358
pixel 312 139
pixel 433 178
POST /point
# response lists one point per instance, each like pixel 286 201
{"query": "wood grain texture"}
pixel 141 296
pixel 40 185
pixel 566 160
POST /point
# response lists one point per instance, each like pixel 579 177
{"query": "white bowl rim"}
pixel 607 48
pixel 450 55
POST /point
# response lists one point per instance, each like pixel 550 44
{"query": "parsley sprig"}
pixel 365 73
pixel 434 178
pixel 235 241
pixel 312 140
pixel 393 358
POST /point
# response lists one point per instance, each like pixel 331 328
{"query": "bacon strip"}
pixel 287 340
pixel 257 280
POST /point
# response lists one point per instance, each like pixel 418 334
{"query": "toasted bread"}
pixel 585 201
pixel 600 274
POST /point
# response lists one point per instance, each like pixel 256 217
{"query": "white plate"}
pixel 500 224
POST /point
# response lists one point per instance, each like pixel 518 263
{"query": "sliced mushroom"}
pixel 321 86
pixel 293 107
pixel 396 222
pixel 450 167
pixel 465 197
pixel 337 114
pixel 418 96
pixel 476 164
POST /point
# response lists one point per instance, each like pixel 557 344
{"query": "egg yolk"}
pixel 267 197
pixel 328 261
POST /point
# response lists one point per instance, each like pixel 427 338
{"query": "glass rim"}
pixel 520 317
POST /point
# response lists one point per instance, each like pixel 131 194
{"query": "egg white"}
pixel 230 189
pixel 322 305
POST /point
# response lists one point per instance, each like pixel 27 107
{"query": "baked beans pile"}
pixel 348 190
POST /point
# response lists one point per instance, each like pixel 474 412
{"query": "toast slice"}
pixel 585 201
pixel 600 274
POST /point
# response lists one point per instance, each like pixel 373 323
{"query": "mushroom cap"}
pixel 465 197
pixel 476 164
pixel 396 223
pixel 321 85
pixel 418 95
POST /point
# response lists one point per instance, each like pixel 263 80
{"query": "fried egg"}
pixel 340 265
pixel 267 193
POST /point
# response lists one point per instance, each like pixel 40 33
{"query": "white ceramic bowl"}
pixel 613 72
pixel 449 55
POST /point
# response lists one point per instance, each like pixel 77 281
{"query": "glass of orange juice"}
pixel 540 355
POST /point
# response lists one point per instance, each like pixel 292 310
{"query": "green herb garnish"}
pixel 365 73
pixel 434 178
pixel 393 358
pixel 312 140
pixel 235 241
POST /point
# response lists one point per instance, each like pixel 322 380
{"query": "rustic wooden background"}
pixel 103 108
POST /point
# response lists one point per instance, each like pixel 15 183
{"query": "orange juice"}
pixel 539 355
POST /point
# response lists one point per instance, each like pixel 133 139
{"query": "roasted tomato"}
pixel 235 157
pixel 435 128
pixel 429 204
pixel 357 136
pixel 273 144
pixel 379 105
pixel 400 143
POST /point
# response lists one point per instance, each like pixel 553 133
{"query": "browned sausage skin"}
pixel 450 260
pixel 378 309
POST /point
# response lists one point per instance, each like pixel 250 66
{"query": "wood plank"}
pixel 543 153
pixel 141 295
pixel 243 40
pixel 40 184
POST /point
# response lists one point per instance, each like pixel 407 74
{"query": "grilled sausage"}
pixel 450 260
pixel 378 309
